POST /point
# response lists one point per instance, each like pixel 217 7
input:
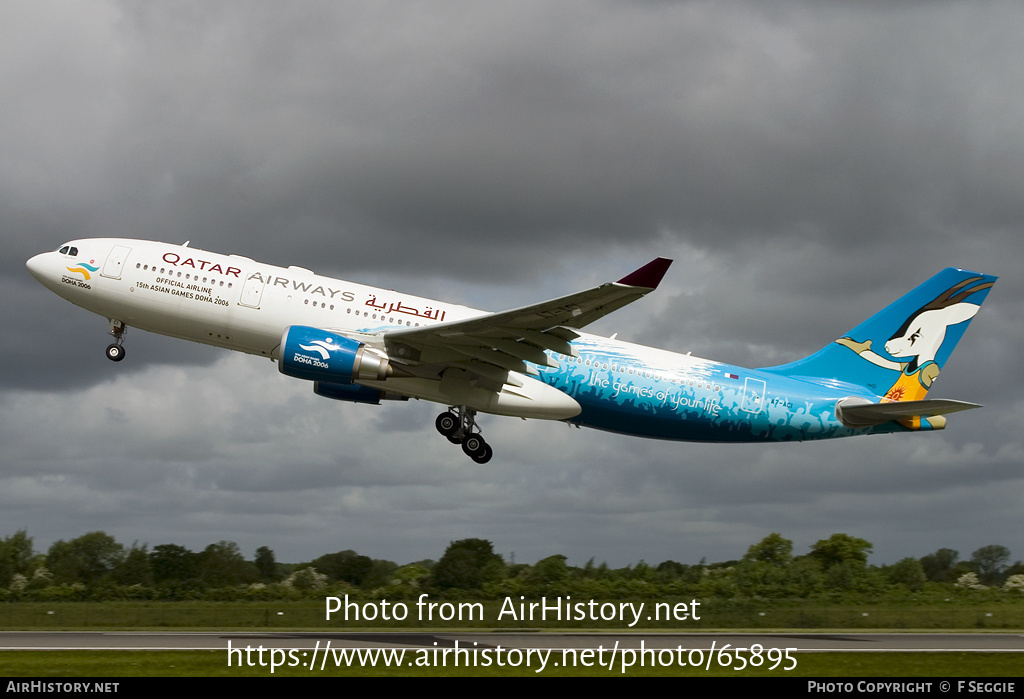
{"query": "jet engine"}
pixel 315 354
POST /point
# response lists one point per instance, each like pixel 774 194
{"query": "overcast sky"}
pixel 804 163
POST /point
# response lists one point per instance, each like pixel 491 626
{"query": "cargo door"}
pixel 753 395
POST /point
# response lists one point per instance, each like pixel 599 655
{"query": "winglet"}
pixel 648 276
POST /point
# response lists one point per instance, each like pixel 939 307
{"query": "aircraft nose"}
pixel 37 266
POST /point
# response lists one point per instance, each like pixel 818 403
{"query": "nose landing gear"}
pixel 115 351
pixel 458 425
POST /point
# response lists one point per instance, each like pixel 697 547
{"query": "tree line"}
pixel 95 566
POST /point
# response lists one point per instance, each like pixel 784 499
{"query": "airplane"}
pixel 362 344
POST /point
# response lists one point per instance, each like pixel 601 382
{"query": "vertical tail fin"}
pixel 898 352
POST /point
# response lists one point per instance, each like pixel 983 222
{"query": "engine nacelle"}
pixel 315 354
pixel 354 393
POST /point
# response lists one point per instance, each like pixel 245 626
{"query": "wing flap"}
pixel 491 357
pixel 535 338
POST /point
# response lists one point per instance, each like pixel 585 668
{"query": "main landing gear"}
pixel 115 352
pixel 458 425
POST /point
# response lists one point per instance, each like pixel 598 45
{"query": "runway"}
pixel 802 642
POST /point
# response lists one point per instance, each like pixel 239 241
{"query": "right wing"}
pixel 493 344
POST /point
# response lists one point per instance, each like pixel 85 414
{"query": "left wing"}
pixel 493 344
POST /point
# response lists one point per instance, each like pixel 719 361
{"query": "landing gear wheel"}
pixel 447 424
pixel 115 352
pixel 474 446
pixel 458 426
pixel 484 456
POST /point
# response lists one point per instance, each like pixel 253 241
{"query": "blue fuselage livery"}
pixel 620 390
pixel 363 344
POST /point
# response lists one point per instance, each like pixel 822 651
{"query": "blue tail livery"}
pixel 360 344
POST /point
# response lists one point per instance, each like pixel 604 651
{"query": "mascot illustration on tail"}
pixel 917 342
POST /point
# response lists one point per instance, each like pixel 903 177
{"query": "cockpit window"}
pixel 64 250
pixel 69 251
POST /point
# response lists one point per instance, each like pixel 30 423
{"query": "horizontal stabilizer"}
pixel 858 412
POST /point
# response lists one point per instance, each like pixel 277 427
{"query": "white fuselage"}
pixel 224 300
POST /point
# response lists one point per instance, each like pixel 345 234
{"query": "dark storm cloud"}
pixel 431 134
